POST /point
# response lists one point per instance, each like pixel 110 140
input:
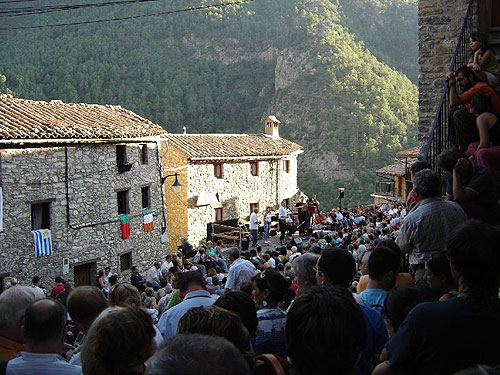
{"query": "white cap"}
pixel 294 249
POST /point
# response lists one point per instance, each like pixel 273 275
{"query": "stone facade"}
pixel 236 190
pixel 439 24
pixel 84 222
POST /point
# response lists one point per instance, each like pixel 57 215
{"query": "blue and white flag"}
pixel 42 242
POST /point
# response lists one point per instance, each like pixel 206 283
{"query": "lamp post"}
pixel 341 195
pixel 176 186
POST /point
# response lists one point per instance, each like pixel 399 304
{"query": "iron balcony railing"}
pixel 439 140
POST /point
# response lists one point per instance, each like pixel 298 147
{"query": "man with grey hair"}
pixel 426 228
pixel 304 270
pixel 13 304
pixel 241 271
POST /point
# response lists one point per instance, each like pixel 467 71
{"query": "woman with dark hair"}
pixel 398 304
pixel 217 321
pixel 269 288
pixel 483 60
pixel 438 277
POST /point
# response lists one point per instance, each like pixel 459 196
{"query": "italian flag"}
pixel 148 219
pixel 125 225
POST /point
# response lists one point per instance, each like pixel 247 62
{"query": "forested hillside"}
pixel 335 79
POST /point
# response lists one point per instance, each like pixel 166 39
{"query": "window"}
pixel 123 202
pixel 219 170
pixel 146 197
pixel 253 205
pixel 40 216
pixel 121 154
pixel 219 214
pixel 286 166
pixel 144 154
pixel 125 261
pixel 254 168
pixel 121 159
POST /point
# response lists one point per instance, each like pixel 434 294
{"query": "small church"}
pixel 225 177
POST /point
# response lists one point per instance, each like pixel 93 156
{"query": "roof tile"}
pixel 29 119
pixel 232 145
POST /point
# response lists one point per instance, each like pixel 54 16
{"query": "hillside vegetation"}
pixel 337 82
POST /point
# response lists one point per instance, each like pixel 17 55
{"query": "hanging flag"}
pixel 148 219
pixel 125 225
pixel 42 242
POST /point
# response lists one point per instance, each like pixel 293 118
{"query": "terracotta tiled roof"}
pixel 232 145
pixel 413 152
pixel 396 169
pixel 29 119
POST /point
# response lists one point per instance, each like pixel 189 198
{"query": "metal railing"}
pixel 438 139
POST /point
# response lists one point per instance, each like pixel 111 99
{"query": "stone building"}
pixel 439 26
pixel 395 180
pixel 72 169
pixel 225 175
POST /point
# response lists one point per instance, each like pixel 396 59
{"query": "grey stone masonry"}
pixel 439 24
pixel 80 183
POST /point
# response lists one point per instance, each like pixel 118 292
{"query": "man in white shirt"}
pixel 153 275
pixel 240 272
pixel 254 226
pixel 165 267
pixel 283 214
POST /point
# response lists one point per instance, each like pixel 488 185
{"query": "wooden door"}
pixel 82 275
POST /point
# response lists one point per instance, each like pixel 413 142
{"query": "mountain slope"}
pixel 224 71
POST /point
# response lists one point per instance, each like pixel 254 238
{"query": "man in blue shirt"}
pixel 193 293
pixel 44 330
pixel 383 266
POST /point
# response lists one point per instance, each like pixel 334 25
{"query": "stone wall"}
pixel 237 190
pixel 439 24
pixel 84 221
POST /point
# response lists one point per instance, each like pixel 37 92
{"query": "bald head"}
pixel 44 322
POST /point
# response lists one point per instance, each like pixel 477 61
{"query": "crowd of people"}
pixel 391 289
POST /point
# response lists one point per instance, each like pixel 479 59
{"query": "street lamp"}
pixel 176 186
pixel 341 195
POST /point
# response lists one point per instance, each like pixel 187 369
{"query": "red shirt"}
pixel 485 89
pixel 56 290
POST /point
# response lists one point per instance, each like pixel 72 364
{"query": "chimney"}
pixel 272 126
